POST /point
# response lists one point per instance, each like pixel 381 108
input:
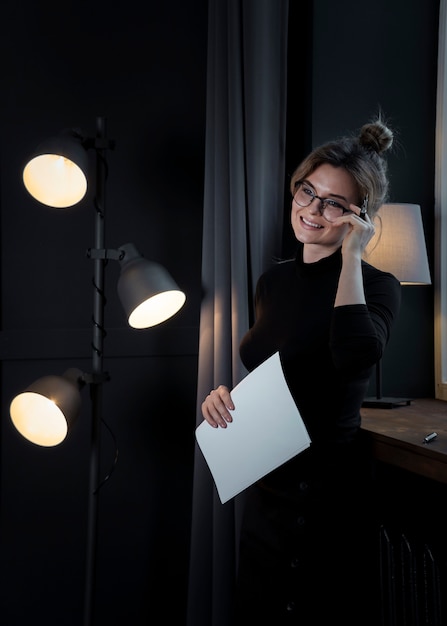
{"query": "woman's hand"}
pixel 350 288
pixel 360 233
pixel 217 406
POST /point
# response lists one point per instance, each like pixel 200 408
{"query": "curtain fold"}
pixel 242 234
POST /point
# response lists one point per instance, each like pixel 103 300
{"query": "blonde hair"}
pixel 361 157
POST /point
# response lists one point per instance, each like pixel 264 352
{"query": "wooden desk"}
pixel 397 436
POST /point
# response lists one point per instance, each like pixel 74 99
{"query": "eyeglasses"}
pixel 329 209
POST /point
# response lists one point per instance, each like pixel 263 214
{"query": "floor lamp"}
pixel 57 176
pixel 398 247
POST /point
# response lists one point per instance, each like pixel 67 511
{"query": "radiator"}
pixel 411 579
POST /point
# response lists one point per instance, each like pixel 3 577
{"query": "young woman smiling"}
pixel 308 537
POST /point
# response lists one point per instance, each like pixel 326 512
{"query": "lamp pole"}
pixel 140 283
pixel 97 372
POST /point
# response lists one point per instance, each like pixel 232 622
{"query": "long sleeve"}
pixel 359 333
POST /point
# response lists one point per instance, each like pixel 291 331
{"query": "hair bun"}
pixel 376 136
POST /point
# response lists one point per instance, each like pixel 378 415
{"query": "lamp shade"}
pixel 147 292
pixel 47 409
pixel 56 174
pixel 399 245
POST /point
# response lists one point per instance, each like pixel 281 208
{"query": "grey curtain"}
pixel 242 234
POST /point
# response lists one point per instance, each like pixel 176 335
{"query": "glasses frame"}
pixel 324 201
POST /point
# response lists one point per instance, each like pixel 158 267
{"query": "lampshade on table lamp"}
pixel 398 247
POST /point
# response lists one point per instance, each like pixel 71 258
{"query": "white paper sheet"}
pixel 267 430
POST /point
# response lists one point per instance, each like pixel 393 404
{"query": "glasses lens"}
pixel 303 195
pixel 332 210
pixel 329 209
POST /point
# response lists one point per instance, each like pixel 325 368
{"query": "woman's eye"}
pixel 335 204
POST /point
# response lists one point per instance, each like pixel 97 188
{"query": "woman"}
pixel 308 552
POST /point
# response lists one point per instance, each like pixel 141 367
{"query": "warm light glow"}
pixel 38 419
pixel 399 245
pixel 157 309
pixel 55 181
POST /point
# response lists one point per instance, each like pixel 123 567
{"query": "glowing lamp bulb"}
pixel 55 181
pixel 38 419
pixel 157 309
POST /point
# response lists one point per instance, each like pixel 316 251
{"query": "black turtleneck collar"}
pixel 331 262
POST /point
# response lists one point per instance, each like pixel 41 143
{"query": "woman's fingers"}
pixel 217 406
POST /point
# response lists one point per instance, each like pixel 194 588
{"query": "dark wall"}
pixel 143 67
pixel 145 70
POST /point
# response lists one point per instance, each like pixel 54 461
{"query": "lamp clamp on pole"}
pixel 101 143
pixel 88 143
pixel 95 378
pixel 103 254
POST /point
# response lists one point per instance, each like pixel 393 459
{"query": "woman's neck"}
pixel 314 252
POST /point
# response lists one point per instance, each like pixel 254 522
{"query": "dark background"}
pixel 144 69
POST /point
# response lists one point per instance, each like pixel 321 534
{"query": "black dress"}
pixel 308 552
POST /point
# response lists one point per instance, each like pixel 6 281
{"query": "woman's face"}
pixel 308 223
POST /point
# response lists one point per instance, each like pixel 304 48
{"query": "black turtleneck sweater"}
pixel 327 353
pixel 308 532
